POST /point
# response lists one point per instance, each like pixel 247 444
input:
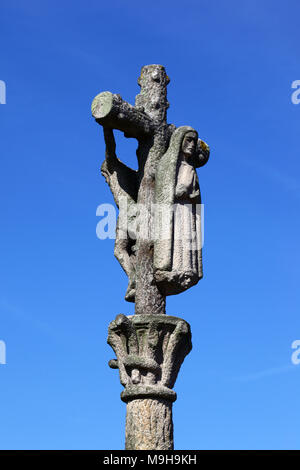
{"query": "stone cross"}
pixel 164 192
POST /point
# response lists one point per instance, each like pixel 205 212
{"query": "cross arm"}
pixel 111 111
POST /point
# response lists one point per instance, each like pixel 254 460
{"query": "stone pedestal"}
pixel 150 350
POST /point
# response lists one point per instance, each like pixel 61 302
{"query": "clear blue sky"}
pixel 231 66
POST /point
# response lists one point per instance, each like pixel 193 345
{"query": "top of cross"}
pixel 152 98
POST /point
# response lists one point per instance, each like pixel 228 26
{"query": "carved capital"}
pixel 150 350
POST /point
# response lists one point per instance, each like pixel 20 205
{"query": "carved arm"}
pixel 121 178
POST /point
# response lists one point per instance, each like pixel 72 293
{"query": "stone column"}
pixel 149 424
pixel 150 350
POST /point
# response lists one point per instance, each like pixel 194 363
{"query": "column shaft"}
pixel 149 425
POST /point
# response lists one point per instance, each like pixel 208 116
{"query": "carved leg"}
pixel 126 259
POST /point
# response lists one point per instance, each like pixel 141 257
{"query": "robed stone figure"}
pixel 177 215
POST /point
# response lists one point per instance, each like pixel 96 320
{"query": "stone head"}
pixel 189 144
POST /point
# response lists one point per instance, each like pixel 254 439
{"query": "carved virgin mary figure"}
pixel 177 215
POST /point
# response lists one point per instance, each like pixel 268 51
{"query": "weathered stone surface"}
pixel 149 425
pixel 150 350
pixel 178 253
pixel 151 346
pixel 113 112
pixel 155 268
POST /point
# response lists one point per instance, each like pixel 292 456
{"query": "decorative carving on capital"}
pixel 150 350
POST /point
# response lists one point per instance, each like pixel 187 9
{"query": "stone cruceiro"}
pixel 150 346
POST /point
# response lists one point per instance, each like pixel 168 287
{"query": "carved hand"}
pixel 180 190
pixel 195 194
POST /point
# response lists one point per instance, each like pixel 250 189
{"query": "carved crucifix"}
pixel 147 122
pixel 163 192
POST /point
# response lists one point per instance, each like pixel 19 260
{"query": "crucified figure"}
pixel 123 183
